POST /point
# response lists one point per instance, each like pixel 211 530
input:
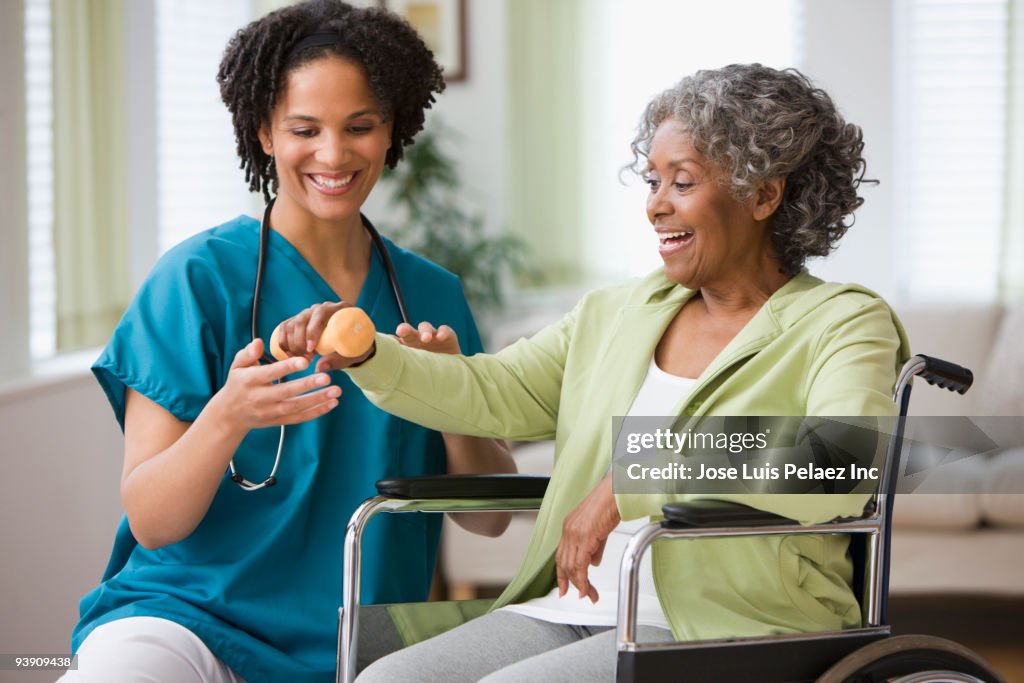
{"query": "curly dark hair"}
pixel 399 68
pixel 756 123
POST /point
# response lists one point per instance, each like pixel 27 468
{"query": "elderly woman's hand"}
pixel 439 340
pixel 584 533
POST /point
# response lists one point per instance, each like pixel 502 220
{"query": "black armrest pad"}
pixel 717 513
pixel 464 486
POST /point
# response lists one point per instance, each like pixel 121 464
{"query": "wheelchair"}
pixel 869 654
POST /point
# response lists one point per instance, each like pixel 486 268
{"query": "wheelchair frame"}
pixel 781 658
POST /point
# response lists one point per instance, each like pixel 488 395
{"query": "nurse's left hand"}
pixel 439 340
pixel 584 533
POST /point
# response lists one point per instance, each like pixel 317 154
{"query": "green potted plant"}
pixel 425 188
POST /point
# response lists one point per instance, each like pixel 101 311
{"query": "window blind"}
pixel 199 182
pixel 951 102
pixel 39 128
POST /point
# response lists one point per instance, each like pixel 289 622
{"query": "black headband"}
pixel 319 39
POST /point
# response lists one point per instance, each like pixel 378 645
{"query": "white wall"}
pixel 476 109
pixel 61 456
pixel 847 50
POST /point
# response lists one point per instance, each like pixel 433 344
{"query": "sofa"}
pixel 968 542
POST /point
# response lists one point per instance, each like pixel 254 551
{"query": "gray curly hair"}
pixel 756 123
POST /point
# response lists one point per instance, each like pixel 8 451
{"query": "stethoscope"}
pixel 261 260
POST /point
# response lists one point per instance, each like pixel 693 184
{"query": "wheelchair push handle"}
pixel 946 375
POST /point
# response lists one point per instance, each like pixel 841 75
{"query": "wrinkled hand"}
pixel 439 340
pixel 299 335
pixel 584 533
pixel 256 396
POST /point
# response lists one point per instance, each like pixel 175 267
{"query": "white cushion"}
pixel 1000 387
pixel 985 561
pixel 947 498
pixel 1002 497
pixel 962 334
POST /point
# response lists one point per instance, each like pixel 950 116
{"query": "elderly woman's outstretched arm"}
pixel 513 394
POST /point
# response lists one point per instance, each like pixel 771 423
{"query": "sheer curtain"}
pixel 545 97
pixel 90 170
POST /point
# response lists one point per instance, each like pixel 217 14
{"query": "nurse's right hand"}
pixel 256 396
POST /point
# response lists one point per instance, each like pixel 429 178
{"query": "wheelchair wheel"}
pixel 904 659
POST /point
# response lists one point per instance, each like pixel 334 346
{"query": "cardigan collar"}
pixel 656 300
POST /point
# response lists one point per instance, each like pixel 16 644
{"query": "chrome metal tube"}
pixel 348 637
pixel 629 578
pixel 348 614
pixel 629 569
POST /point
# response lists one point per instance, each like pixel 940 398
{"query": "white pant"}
pixel 146 650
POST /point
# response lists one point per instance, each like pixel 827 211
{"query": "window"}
pixel 951 89
pixel 642 48
pixel 198 182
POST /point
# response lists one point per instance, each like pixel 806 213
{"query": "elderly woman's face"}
pixel 706 237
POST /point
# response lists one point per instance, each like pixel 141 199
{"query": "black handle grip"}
pixel 947 375
pixel 464 486
pixel 718 513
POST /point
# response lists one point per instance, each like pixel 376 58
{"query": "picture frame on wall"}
pixel 442 24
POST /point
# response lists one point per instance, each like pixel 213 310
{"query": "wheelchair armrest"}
pixel 718 513
pixel 501 486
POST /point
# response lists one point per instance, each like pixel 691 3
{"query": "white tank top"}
pixel 659 394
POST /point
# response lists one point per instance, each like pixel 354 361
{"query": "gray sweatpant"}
pixel 505 647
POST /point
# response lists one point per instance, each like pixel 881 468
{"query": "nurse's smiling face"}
pixel 329 139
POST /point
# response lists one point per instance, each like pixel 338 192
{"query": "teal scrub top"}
pixel 259 580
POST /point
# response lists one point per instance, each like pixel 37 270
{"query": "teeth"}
pixel 673 235
pixel 332 183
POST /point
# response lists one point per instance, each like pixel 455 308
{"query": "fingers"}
pixel 584 536
pixel 274 372
pixel 427 332
pixel 284 391
pixel 598 555
pixel 572 567
pixel 262 396
pixel 417 337
pixel 444 333
pixel 248 355
pixel 425 336
pixel 572 561
pixel 299 334
pixel 309 406
pixel 294 401
pixel 580 571
pixel 561 578
pixel 404 331
pixel 318 322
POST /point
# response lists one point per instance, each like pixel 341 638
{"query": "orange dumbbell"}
pixel 349 333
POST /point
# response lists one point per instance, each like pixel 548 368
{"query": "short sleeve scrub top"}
pixel 259 580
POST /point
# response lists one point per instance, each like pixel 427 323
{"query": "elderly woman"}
pixel 751 170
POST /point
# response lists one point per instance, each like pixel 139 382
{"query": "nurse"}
pixel 208 581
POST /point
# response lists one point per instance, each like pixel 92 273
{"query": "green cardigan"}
pixel 812 349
